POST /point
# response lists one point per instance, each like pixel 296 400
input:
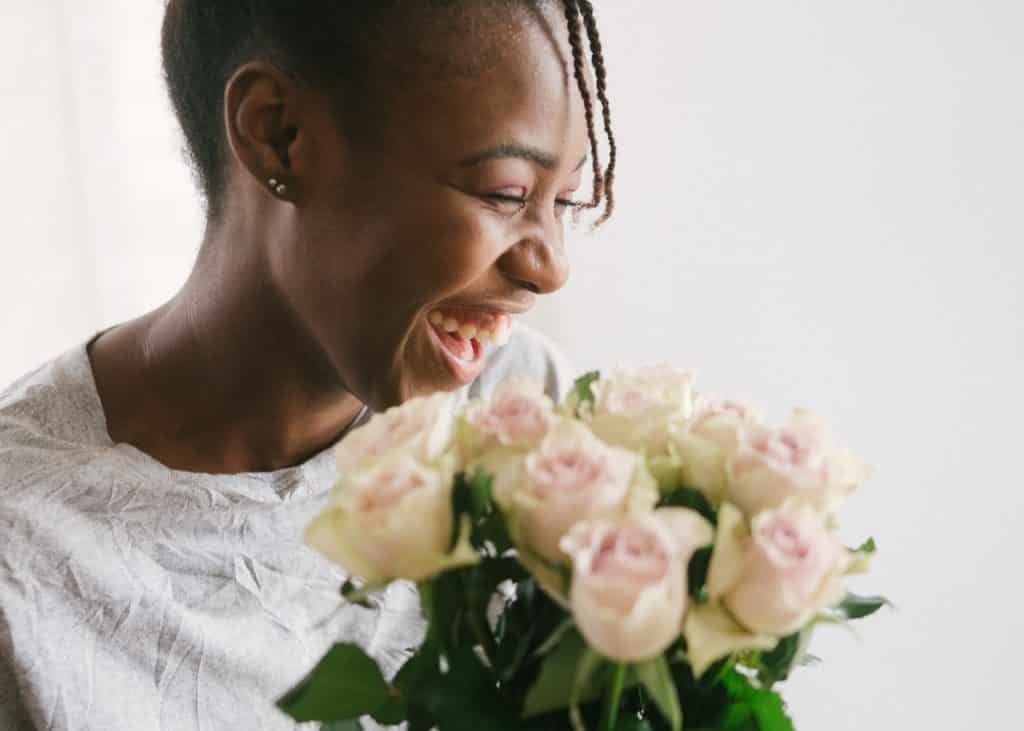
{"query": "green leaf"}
pixel 349 725
pixel 753 709
pixel 656 679
pixel 551 642
pixel 464 697
pixel 345 684
pixel 697 573
pixel 689 497
pixel 857 607
pixel 775 665
pixel 582 394
pixel 560 677
pixel 867 547
pixel 472 496
pixel 586 672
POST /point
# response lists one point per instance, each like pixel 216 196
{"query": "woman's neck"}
pixel 222 378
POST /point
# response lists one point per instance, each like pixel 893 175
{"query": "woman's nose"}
pixel 538 262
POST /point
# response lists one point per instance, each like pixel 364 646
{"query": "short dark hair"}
pixel 323 42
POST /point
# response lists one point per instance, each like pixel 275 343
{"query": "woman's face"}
pixel 421 241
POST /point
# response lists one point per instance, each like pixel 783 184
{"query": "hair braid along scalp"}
pixel 328 44
pixel 572 17
pixel 597 60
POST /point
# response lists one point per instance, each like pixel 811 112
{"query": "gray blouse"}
pixel 136 597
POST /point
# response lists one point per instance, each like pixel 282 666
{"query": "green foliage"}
pixel 472 499
pixel 689 497
pixel 463 697
pixel 751 708
pixel 858 607
pixel 581 396
pixel 657 680
pixel 773 666
pixel 525 626
pixel 867 547
pixel 349 725
pixel 697 573
pixel 345 684
pixel 559 676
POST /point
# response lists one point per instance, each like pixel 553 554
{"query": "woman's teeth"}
pixel 493 330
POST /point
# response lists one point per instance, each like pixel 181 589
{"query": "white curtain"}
pixel 100 214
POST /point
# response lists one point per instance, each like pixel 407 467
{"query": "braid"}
pixel 597 58
pixel 572 12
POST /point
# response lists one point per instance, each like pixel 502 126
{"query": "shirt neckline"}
pixel 79 367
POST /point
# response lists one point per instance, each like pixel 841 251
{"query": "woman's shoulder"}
pixel 47 418
pixel 528 353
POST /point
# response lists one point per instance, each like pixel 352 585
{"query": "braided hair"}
pixel 326 42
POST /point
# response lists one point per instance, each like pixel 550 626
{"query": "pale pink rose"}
pixel 628 594
pixel 777 575
pixel 799 460
pixel 635 408
pixel 570 477
pixel 391 519
pixel 518 415
pixel 422 427
pixel 705 442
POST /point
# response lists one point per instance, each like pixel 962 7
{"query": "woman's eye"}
pixel 566 204
pixel 507 200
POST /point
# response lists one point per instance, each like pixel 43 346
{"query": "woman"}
pixel 386 184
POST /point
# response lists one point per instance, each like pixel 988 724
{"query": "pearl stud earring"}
pixel 278 187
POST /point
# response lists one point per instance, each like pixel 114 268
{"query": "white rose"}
pixel 629 585
pixel 573 476
pixel 705 441
pixel 516 417
pixel 772 576
pixel 776 575
pixel 635 408
pixel 799 460
pixel 392 519
pixel 422 427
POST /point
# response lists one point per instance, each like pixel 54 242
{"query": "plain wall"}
pixel 819 204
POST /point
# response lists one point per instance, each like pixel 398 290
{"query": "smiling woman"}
pixel 386 188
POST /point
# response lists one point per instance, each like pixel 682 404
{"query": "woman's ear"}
pixel 262 126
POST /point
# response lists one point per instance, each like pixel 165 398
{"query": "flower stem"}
pixel 478 623
pixel 610 715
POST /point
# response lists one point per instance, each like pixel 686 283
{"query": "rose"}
pixel 392 518
pixel 571 476
pixel 773 575
pixel 635 408
pixel 705 441
pixel 779 574
pixel 629 584
pixel 421 427
pixel 517 417
pixel 798 460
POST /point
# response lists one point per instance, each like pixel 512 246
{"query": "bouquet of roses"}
pixel 638 557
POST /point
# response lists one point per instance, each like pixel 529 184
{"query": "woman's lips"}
pixel 462 336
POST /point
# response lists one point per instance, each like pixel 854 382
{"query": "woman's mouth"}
pixel 463 336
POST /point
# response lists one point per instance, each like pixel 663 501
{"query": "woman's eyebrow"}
pixel 523 152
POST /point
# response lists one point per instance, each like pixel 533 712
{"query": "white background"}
pixel 820 204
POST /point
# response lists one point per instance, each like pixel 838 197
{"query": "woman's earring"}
pixel 278 187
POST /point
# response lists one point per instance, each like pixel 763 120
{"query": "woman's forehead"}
pixel 510 81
